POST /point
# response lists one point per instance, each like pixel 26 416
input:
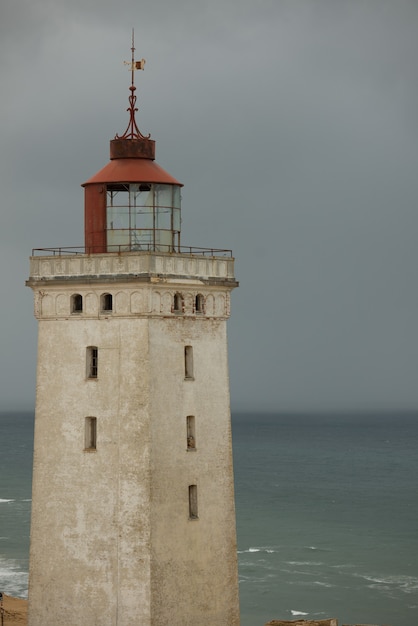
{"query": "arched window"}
pixel 106 302
pixel 178 303
pixel 76 303
pixel 199 303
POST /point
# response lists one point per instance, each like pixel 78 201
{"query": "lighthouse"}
pixel 133 518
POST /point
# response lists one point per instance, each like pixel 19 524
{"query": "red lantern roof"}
pixel 132 170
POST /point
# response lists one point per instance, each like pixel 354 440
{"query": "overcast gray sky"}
pixel 293 125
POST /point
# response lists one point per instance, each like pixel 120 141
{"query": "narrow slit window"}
pixel 188 362
pixel 193 514
pixel 92 361
pixel 191 432
pixel 178 303
pixel 199 303
pixel 76 303
pixel 90 442
pixel 106 302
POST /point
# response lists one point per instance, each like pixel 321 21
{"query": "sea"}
pixel 326 506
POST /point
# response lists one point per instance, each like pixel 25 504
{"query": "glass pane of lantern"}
pixel 141 239
pixel 117 240
pixel 143 217
pixel 176 197
pixel 163 218
pixel 163 195
pixel 141 198
pixel 176 219
pixel 141 195
pixel 117 217
pixel 163 240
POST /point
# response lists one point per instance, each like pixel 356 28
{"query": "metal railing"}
pixel 120 249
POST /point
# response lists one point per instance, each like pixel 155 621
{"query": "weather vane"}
pixel 132 131
pixel 134 65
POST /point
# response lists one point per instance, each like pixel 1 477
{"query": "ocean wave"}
pixel 371 578
pixel 294 612
pixel 267 549
pixel 13 580
pixel 406 584
pixel 304 562
pixel 252 580
pixel 302 573
pixel 322 584
pixel 5 500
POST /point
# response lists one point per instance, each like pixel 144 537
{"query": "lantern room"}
pixel 132 204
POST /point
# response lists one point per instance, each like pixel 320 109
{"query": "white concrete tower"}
pixel 133 520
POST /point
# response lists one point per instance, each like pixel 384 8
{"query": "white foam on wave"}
pixel 406 584
pixel 267 549
pixel 242 551
pixel 5 500
pixel 254 550
pixel 252 580
pixel 316 548
pixel 304 562
pixel 372 579
pixel 298 612
pixel 299 581
pixel 13 580
pixel 322 584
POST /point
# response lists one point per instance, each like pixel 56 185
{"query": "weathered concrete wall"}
pixel 132 264
pixel 206 547
pixel 90 535
pixel 111 538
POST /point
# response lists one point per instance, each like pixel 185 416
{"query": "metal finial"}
pixel 132 131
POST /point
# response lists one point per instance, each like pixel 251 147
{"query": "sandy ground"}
pixel 15 611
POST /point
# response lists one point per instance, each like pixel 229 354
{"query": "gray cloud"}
pixel 293 126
